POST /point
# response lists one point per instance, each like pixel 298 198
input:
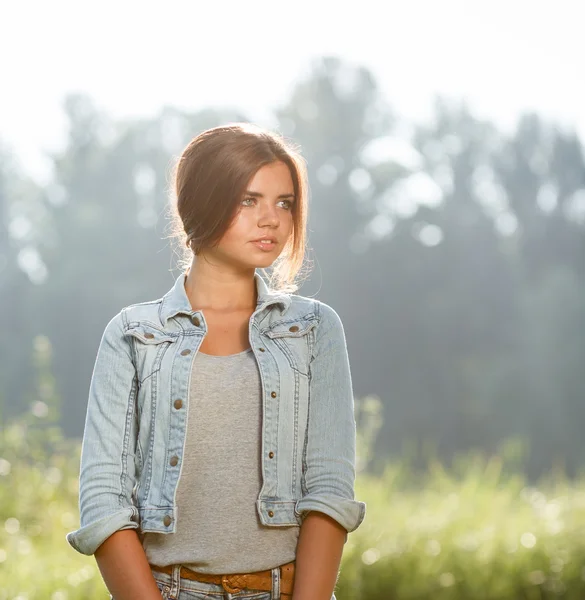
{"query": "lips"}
pixel 269 237
pixel 264 245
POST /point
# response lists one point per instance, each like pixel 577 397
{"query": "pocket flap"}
pixel 149 334
pixel 296 328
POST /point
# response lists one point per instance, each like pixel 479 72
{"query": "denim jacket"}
pixel 134 436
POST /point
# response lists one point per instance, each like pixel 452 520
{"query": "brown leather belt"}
pixel 236 582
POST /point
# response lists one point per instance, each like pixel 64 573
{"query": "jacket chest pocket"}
pixel 150 347
pixel 295 340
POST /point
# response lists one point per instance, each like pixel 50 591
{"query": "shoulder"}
pixel 142 311
pixel 329 341
pixel 326 316
pixel 119 323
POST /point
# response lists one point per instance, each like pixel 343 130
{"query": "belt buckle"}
pixel 227 587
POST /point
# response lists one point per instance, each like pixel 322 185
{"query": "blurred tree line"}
pixel 455 255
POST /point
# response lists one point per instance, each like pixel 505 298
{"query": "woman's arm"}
pixel 107 477
pixel 318 556
pixel 125 569
pixel 107 472
pixel 328 509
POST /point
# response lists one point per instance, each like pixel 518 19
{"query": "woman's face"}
pixel 265 212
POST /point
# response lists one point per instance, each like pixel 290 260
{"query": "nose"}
pixel 269 216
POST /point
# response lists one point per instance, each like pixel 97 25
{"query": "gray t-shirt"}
pixel 218 528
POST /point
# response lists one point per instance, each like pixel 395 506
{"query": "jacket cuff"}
pixel 348 513
pixel 88 538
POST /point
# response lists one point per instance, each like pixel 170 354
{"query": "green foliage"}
pixel 475 530
pixel 38 506
pixel 39 470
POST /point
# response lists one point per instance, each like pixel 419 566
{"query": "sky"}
pixel 502 57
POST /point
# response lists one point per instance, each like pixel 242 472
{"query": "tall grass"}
pixel 476 533
pixel 475 530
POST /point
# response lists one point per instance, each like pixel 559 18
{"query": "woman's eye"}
pixel 289 203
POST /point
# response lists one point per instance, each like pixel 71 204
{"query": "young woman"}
pixel 218 456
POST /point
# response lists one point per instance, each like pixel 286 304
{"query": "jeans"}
pixel 174 587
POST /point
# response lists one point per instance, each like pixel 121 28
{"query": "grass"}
pixel 474 531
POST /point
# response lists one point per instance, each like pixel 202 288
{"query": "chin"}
pixel 263 264
pixel 255 263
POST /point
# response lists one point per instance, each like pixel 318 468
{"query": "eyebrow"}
pixel 259 195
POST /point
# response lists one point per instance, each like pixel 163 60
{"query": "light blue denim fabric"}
pixel 175 587
pixel 134 434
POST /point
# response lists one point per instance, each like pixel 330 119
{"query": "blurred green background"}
pixel 454 253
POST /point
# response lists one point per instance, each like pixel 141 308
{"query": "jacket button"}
pixel 273 394
pixel 178 404
pixel 270 513
pixel 186 351
pixel 271 455
pixel 261 349
pixel 149 335
pixel 196 320
pixel 174 461
pixel 167 521
pixel 293 328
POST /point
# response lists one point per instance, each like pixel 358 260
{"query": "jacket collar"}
pixel 175 301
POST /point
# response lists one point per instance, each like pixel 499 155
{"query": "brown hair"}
pixel 210 178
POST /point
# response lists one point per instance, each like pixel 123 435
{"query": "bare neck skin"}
pixel 226 298
pixel 216 287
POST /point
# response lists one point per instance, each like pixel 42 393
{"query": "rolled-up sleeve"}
pixel 330 453
pixel 107 468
